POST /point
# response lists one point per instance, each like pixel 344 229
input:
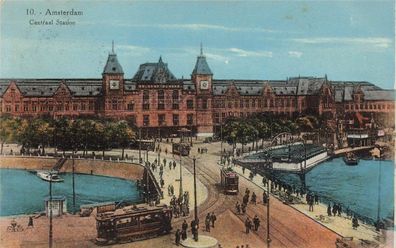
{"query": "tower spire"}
pixel 201 49
pixel 112 46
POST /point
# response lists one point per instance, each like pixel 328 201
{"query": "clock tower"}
pixel 202 79
pixel 112 83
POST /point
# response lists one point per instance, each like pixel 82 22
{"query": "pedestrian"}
pixel 213 219
pixel 243 170
pixel 334 209
pixel 265 198
pixel 30 224
pixel 174 164
pixel 169 190
pixel 166 151
pixel 243 208
pixel 339 209
pixel 355 222
pixel 184 230
pixel 311 203
pixel 253 200
pixel 316 199
pixel 329 210
pixel 199 150
pixel 207 223
pixel 256 222
pixel 248 225
pixel 170 165
pixel 238 208
pixel 177 237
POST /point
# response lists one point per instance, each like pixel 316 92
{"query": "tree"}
pixel 7 131
pixel 122 134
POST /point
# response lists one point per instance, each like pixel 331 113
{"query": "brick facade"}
pixel 157 101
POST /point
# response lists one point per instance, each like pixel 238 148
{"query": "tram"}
pixel 181 149
pixel 144 145
pixel 229 181
pixel 132 223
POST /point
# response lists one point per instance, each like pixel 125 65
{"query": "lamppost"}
pixel 379 224
pixel 50 213
pixel 140 145
pixel 268 166
pixel 74 188
pixel 195 203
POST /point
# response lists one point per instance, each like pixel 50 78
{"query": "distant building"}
pixel 158 102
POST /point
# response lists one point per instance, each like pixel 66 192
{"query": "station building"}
pixel 158 102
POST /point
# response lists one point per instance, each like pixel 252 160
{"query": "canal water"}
pixel 22 192
pixel 355 187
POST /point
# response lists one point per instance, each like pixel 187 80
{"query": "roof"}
pixel 112 66
pixel 48 87
pixel 201 66
pixel 154 73
pixel 387 95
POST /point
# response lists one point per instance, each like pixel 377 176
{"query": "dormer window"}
pixel 113 68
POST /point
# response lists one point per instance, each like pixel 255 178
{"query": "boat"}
pixel 351 159
pixel 49 176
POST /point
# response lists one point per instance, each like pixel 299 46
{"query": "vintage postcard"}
pixel 207 124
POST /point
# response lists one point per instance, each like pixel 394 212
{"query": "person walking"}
pixel 316 199
pixel 207 223
pixel 238 208
pixel 256 222
pixel 335 209
pixel 30 224
pixel 339 209
pixel 329 210
pixel 248 225
pixel 177 237
pixel 213 219
pixel 184 229
pixel 253 200
pixel 355 222
pixel 265 198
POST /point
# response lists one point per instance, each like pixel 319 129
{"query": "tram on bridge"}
pixel 132 223
pixel 229 181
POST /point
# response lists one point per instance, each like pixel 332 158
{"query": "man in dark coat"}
pixel 329 210
pixel 185 226
pixel 256 222
pixel 177 237
pixel 248 225
pixel 213 219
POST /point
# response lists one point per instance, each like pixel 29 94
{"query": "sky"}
pixel 267 40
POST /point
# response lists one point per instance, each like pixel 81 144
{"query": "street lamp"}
pixel 268 166
pixel 195 203
pixel 50 213
pixel 379 224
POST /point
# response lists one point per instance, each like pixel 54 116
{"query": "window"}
pixel 204 103
pixel 34 108
pixel 190 119
pixel 133 119
pixel 260 103
pixel 161 119
pixel 246 103
pixel 175 99
pixel 91 105
pixel 8 108
pixel 253 103
pixel 241 104
pixel 216 118
pixel 114 105
pixel 190 104
pixel 50 107
pixel 229 104
pixel 82 106
pixel 235 104
pixel 25 108
pixel 130 106
pixel 146 120
pixel 161 100
pixel 16 108
pixel 75 107
pixel 175 120
pixel 146 100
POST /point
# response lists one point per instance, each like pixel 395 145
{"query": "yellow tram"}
pixel 133 223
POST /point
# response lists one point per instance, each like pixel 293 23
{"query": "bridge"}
pixel 342 151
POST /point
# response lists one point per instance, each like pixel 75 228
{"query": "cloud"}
pixel 244 53
pixel 372 41
pixel 295 54
pixel 130 49
pixel 194 27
